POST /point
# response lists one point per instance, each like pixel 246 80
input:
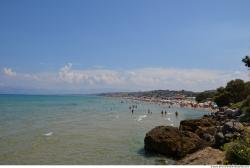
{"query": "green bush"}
pixel 245 109
pixel 236 105
pixel 238 152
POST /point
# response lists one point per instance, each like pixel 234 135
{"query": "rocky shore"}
pixel 197 138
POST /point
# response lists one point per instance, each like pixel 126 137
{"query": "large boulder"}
pixel 172 142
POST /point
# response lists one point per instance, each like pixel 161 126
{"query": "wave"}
pixel 48 134
pixel 141 117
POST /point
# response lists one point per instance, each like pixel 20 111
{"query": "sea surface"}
pixel 88 130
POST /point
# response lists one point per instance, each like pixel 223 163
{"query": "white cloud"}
pixel 9 72
pixel 68 78
pixel 149 78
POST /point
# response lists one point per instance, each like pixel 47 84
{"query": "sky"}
pixel 88 46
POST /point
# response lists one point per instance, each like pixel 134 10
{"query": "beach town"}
pixel 177 101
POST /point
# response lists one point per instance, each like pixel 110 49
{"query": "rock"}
pixel 231 126
pixel 161 162
pixel 228 112
pixel 220 135
pixel 206 156
pixel 207 134
pixel 232 113
pixel 193 125
pixel 229 136
pixel 219 139
pixel 171 141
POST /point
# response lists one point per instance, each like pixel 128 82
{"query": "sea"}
pixel 81 130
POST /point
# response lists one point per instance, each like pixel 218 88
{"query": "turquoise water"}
pixel 80 130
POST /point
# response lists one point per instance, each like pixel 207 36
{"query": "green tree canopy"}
pixel 246 61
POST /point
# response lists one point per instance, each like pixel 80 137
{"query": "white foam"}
pixel 169 119
pixel 48 134
pixel 141 117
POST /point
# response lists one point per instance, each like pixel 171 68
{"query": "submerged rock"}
pixel 171 141
pixel 206 156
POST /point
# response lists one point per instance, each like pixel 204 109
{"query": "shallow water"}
pixel 80 130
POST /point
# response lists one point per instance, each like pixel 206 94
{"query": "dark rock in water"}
pixel 172 142
pixel 231 126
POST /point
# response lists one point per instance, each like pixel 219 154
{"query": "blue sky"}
pixel 117 38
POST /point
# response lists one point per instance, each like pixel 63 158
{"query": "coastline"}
pixel 183 104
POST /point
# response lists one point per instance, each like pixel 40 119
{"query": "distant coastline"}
pixel 178 99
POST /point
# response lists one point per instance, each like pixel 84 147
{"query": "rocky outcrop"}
pixel 206 156
pixel 211 130
pixel 172 142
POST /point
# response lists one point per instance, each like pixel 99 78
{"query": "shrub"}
pixel 238 152
pixel 245 109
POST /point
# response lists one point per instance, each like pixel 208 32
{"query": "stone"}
pixel 231 126
pixel 219 139
pixel 232 113
pixel 206 156
pixel 207 134
pixel 172 142
pixel 194 124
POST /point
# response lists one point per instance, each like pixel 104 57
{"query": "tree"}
pixel 246 61
pixel 203 96
pixel 236 90
pixel 222 99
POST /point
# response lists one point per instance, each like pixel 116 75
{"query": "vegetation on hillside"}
pixel 203 96
pixel 235 91
pixel 154 93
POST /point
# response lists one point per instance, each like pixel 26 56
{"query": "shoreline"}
pixel 183 104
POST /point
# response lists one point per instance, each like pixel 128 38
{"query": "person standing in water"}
pixel 176 113
pixel 162 113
